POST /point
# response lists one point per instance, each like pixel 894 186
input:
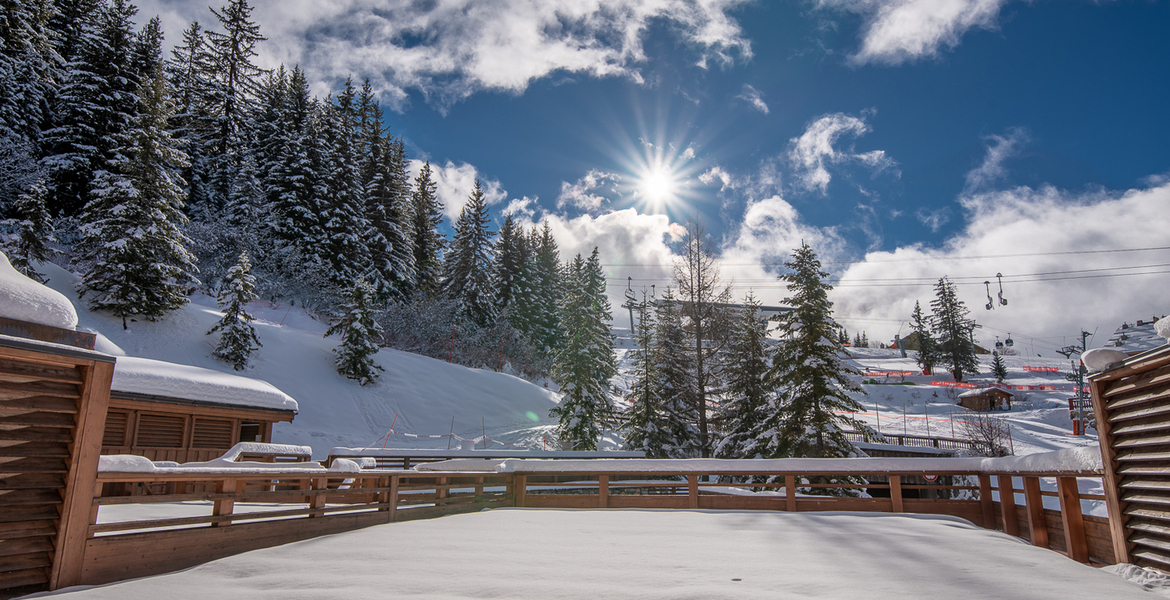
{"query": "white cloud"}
pixel 522 208
pixel 717 173
pixel 583 195
pixel 999 149
pixel 934 219
pixel 1043 224
pixel 815 149
pixel 753 97
pixel 898 31
pixel 451 49
pixel 454 183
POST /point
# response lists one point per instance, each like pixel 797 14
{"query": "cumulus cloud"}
pixel 999 149
pixel 454 183
pixel 584 195
pixel 452 49
pixel 753 97
pixel 897 31
pixel 934 219
pixel 1027 231
pixel 812 152
pixel 717 173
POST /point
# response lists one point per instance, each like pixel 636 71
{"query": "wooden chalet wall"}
pixel 182 431
pixel 53 402
pixel 1132 407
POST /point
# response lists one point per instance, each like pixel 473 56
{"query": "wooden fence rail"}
pixel 251 510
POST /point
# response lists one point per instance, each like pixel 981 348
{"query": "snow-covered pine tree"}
pixel 585 363
pixel 94 107
pixel 238 340
pixel 426 243
pixel 361 336
pixel 191 72
pixel 806 416
pixel 539 293
pixel 28 66
pixel 245 203
pixel 674 362
pixel 31 231
pixel 953 330
pixel 998 367
pixel 645 424
pixel 344 226
pixel 746 364
pixel 510 258
pixel 137 256
pixel 927 356
pixel 293 179
pixel 387 199
pixel 467 266
pixel 236 81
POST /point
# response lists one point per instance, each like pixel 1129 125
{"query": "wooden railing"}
pixel 916 441
pixel 258 509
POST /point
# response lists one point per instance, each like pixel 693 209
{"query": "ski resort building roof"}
pixel 1136 337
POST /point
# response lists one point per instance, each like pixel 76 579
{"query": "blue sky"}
pixel 904 139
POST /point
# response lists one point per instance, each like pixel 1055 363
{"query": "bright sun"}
pixel 658 185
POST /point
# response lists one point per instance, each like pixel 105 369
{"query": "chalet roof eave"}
pixel 200 403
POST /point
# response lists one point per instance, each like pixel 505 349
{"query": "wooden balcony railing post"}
pixel 223 506
pixel 521 484
pixel 1072 519
pixel 896 493
pixel 317 501
pixel 393 497
pixel 987 502
pixel 603 491
pixel 1034 502
pixel 692 491
pixel 1007 505
pixel 790 493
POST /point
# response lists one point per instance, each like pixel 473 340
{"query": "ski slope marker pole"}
pixel 452 434
pixel 483 423
pixel 387 440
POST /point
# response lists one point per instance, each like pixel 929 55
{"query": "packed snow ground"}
pixel 647 554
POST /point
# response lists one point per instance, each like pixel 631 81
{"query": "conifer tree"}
pixel 748 389
pixel 646 424
pixel 675 365
pixel 32 230
pixel 585 364
pixel 293 178
pixel 138 259
pixel 238 340
pixel 927 356
pixel 998 367
pixel 361 336
pixel 954 329
pixel 426 243
pixel 812 383
pixel 343 222
pixel 28 68
pixel 539 293
pixel 467 267
pixel 511 255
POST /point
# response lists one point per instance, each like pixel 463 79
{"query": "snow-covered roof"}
pixel 146 376
pixel 1135 337
pixel 481 454
pixel 981 392
pixel 23 299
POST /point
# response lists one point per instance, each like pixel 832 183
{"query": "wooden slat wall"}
pixel 47 410
pixel 1132 405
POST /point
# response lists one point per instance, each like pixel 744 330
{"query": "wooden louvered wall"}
pixel 52 410
pixel 1132 404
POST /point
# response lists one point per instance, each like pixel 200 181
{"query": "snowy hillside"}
pixel 418 395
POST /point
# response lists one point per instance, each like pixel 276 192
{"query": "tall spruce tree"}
pixel 31 231
pixel 361 336
pixel 998 367
pixel 812 384
pixel 29 66
pixel 511 256
pixel 238 340
pixel 675 365
pixel 585 364
pixel 646 425
pixel 427 242
pixel 748 388
pixel 539 293
pixel 232 101
pixel 467 267
pixel 928 354
pixel 137 256
pixel 953 330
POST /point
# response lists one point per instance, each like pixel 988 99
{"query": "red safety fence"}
pixel 1043 369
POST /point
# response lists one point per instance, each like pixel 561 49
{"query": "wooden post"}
pixel 1007 504
pixel 223 507
pixel 440 488
pixel 896 493
pixel 790 493
pixel 1034 502
pixel 987 502
pixel 603 491
pixel 81 480
pixel 1117 516
pixel 692 491
pixel 521 484
pixel 393 497
pixel 318 500
pixel 1072 519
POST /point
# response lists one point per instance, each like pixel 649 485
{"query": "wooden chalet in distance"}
pixel 985 399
